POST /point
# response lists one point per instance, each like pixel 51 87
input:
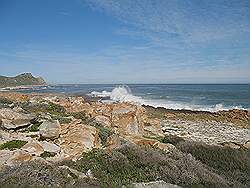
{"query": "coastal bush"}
pixel 104 132
pixel 230 163
pixel 131 164
pixel 13 144
pixel 40 174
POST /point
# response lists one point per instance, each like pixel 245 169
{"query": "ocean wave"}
pixel 124 94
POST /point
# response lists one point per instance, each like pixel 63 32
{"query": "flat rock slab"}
pixel 208 132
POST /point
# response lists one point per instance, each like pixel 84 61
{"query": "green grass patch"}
pixel 34 127
pixel 47 154
pixel 13 144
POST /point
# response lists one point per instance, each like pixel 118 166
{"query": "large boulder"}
pixel 50 129
pixel 11 119
pixel 77 138
pixel 128 118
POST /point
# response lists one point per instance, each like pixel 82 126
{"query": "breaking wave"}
pixel 124 94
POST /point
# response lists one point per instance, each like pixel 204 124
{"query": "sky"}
pixel 126 41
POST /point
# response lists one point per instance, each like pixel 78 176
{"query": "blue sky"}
pixel 126 41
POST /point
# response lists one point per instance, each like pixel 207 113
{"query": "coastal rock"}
pixel 104 120
pixel 128 118
pixel 141 141
pixel 153 126
pixel 247 144
pixel 18 97
pixel 50 147
pixel 33 148
pixel 71 104
pixel 12 119
pixel 17 157
pixel 77 138
pixel 212 133
pixel 5 155
pixel 114 142
pixel 50 129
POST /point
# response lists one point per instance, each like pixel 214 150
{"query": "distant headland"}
pixel 24 79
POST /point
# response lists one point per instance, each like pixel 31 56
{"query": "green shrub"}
pixel 13 144
pixel 47 154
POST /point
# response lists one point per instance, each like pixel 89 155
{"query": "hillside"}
pixel 21 80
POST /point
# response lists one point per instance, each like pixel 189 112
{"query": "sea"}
pixel 201 97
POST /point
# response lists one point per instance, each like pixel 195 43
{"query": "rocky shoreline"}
pixel 80 137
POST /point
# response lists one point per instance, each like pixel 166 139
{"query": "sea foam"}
pixel 124 94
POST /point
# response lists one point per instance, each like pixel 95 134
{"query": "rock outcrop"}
pixel 77 138
pixel 11 119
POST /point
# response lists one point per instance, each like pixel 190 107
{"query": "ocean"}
pixel 203 97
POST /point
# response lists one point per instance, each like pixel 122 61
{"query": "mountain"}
pixel 21 80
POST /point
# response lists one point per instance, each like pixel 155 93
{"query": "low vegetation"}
pixel 104 132
pixel 136 164
pixel 4 102
pixel 40 174
pixel 228 162
pixel 13 144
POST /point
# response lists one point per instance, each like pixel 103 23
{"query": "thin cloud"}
pixel 190 21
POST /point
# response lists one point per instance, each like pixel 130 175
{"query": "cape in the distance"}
pixel 24 79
